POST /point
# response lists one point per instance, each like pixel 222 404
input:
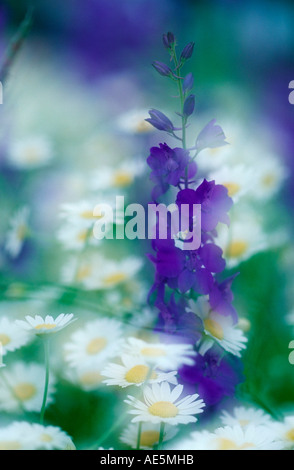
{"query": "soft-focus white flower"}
pixel 45 326
pixel 12 337
pixel 165 356
pixel 30 436
pixel 18 232
pixel 116 177
pixel 245 416
pixel 88 378
pixel 231 438
pixel 149 435
pixel 243 238
pixel 239 180
pixel 30 153
pixel 163 405
pixel 22 385
pixel 93 344
pixel 135 371
pixel 269 175
pixel 96 272
pixel 218 328
pixel 133 122
pixel 285 431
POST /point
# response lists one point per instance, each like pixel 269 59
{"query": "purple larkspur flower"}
pixel 162 68
pixel 211 136
pixel 187 51
pixel 188 83
pixel 221 298
pixel 168 167
pixel 160 121
pixel 214 200
pixel 189 106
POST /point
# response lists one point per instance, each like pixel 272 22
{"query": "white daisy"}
pixel 285 431
pixel 12 437
pixel 22 385
pixel 237 438
pixel 17 233
pixel 165 356
pixel 149 435
pixel 162 405
pixel 87 378
pixel 30 153
pixel 269 175
pixel 135 371
pixel 116 177
pixel 12 337
pixel 75 237
pixel 45 326
pixel 218 328
pixel 245 416
pixel 96 272
pixel 92 345
pixel 239 180
pixel 133 122
pixel 243 239
pixel 83 213
pixel 48 438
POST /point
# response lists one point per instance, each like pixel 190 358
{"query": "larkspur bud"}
pixel 187 51
pixel 189 106
pixel 168 40
pixel 162 69
pixel 160 121
pixel 188 83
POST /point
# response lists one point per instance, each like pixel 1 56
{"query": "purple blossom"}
pixel 162 69
pixel 188 83
pixel 160 121
pixel 221 297
pixel 189 106
pixel 168 40
pixel 211 136
pixel 187 51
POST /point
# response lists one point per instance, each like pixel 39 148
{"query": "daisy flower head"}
pixel 149 435
pixel 88 378
pixel 44 326
pixel 239 438
pixel 117 177
pixel 163 405
pixel 30 153
pixel 218 329
pixel 133 122
pixel 12 437
pixel 22 387
pixel 95 272
pixel 239 180
pixel 245 416
pixel 285 431
pixel 270 173
pixel 12 337
pixel 135 371
pixel 165 356
pixel 47 437
pixel 17 233
pixel 92 345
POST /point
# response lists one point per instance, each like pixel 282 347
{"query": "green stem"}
pixel 161 436
pixel 139 436
pixel 46 386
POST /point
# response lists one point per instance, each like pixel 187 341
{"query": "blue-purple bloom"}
pixel 189 106
pixel 162 69
pixel 168 40
pixel 187 51
pixel 188 83
pixel 160 121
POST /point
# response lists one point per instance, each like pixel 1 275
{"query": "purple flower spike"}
pixel 162 69
pixel 211 136
pixel 160 121
pixel 221 298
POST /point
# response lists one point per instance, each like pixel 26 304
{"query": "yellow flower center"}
pixel 4 339
pixel 290 435
pixel 82 236
pixel 46 437
pixel 244 422
pixel 87 214
pixel 22 232
pixel 236 248
pixel 163 409
pixel 228 444
pixel 46 326
pixel 232 188
pixel 83 272
pixel 96 345
pixel 91 378
pixel 10 445
pixel 139 374
pixel 214 328
pixel 115 278
pixel 268 180
pixel 149 438
pixel 153 352
pixel 24 391
pixel 32 155
pixel 143 126
pixel 122 178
